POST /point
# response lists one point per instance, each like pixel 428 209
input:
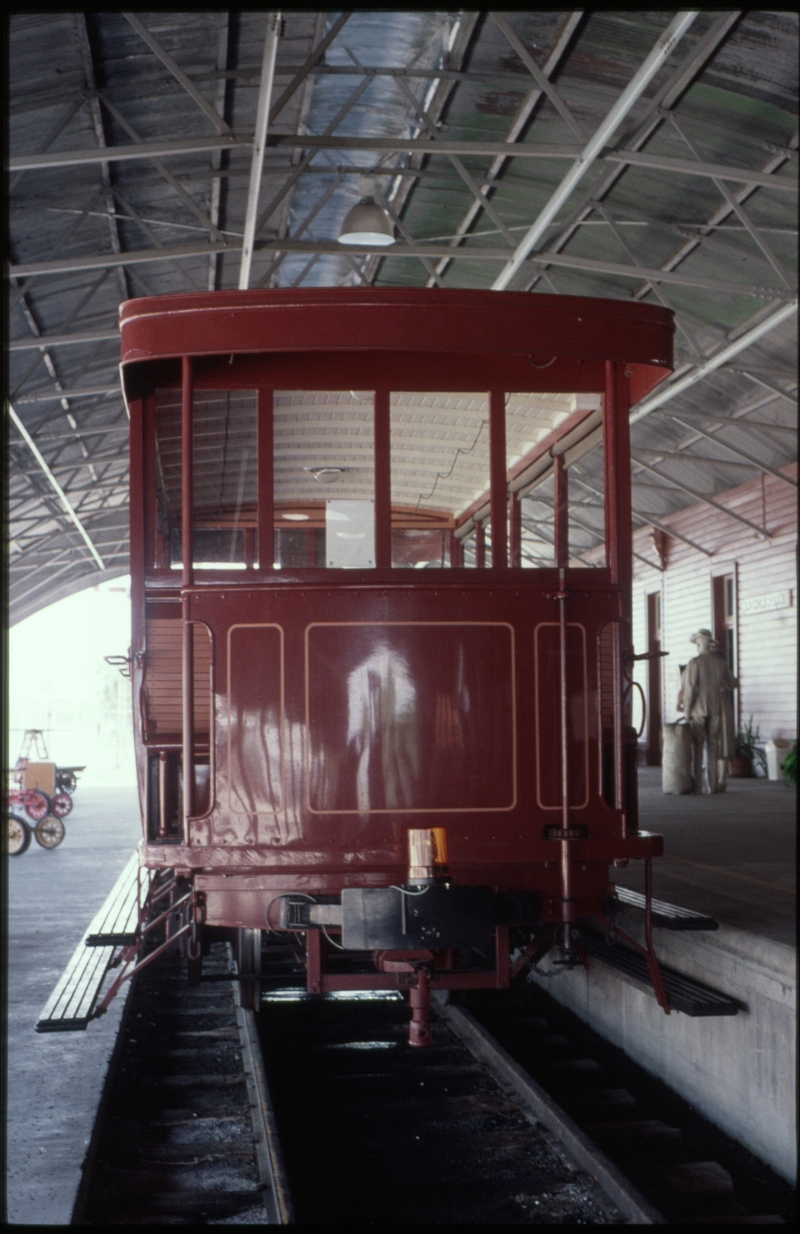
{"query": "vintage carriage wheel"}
pixel 37 804
pixel 60 805
pixel 248 960
pixel 66 781
pixel 18 836
pixel 50 831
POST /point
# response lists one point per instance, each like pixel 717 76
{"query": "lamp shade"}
pixel 367 223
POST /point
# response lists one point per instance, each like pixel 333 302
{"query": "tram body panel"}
pixel 326 715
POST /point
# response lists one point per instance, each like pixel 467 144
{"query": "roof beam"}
pixel 87 59
pixel 748 458
pixel 137 150
pixel 645 520
pixel 541 78
pixel 518 124
pixel 710 171
pixel 653 116
pixel 311 62
pixel 61 340
pixel 666 391
pixel 720 214
pixel 102 261
pixel 259 144
pixel 662 49
pixel 468 179
pixel 62 496
pixel 165 172
pixel 300 167
pixel 738 209
pixel 768 385
pixel 406 145
pixel 178 73
pixel 59 394
pixel 223 32
pixel 761 532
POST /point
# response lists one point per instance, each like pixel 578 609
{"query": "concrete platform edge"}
pixel 739 1071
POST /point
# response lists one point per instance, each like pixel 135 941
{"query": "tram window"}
pixel 324 478
pixel 224 480
pixel 420 547
pixel 439 469
pixel 533 419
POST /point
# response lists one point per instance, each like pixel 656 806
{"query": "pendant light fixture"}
pixel 367 222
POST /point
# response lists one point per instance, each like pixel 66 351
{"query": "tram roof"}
pixel 131 165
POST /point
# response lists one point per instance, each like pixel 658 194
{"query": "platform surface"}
pixel 732 855
pixel 55 1080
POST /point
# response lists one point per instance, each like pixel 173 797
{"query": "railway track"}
pixel 516 1114
pixel 683 1165
pixel 376 1131
pixel 183 1134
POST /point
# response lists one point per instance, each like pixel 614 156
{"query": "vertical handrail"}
pixel 560 513
pixel 566 866
pixel 187 578
pixel 498 477
pixel 480 545
pixel 266 490
pixel 619 543
pixel 383 478
pixel 561 558
pixel 515 530
pixel 162 832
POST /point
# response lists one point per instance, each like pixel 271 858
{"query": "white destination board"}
pixel 768 603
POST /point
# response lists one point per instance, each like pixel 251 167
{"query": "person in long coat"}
pixel 708 686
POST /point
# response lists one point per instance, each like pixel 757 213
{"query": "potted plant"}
pixel 747 752
pixel 789 765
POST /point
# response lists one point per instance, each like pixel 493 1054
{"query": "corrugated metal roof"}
pixel 659 216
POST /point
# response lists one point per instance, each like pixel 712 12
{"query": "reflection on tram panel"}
pixel 381 685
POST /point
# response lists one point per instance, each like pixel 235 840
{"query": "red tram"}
pixel 421 775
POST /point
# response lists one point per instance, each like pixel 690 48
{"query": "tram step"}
pixel 684 993
pixel 667 916
pixel 69 1008
pixel 115 924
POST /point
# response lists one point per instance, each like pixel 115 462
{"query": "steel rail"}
pixel 269 1156
pixel 538 1106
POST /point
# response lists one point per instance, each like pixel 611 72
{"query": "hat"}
pixel 704 632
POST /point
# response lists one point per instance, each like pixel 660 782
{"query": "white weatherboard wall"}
pixel 739 1071
pixel 767 639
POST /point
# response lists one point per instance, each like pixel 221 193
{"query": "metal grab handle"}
pixel 644 704
pixel 123 663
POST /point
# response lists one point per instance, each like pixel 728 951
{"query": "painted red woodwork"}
pixel 349 706
pixel 411 717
